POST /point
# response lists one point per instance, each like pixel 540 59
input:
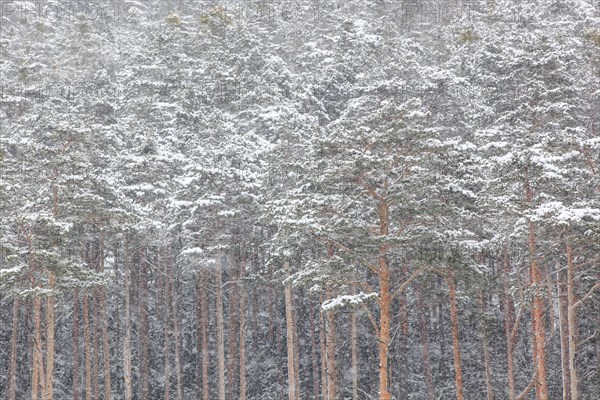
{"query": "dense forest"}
pixel 300 199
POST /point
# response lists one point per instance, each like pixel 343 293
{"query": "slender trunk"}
pixel 37 386
pixel 538 325
pixel 330 340
pixel 127 341
pixel 403 340
pixel 538 322
pixel 564 335
pixel 49 395
pixel 104 322
pixel 176 338
pixel 296 349
pixel 76 344
pixel 87 348
pixel 143 328
pixel 425 345
pixel 455 338
pixel 220 329
pixel 571 317
pixel 232 335
pixel 204 334
pixel 314 352
pixel 95 344
pixel 323 350
pixel 508 324
pixel 487 358
pixel 385 301
pixel 166 337
pixel 242 290
pixel 354 350
pixel 291 363
pixel 12 375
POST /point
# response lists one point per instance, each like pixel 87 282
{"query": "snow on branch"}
pixel 346 300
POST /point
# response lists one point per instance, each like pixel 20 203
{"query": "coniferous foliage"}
pixel 300 199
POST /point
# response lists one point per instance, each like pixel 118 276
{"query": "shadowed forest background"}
pixel 300 200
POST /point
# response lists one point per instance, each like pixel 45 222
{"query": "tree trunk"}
pixel 385 301
pixel 354 350
pixel 242 290
pixel 538 325
pixel 571 317
pixel 314 352
pixel 12 375
pixel 232 335
pixel 38 388
pixel 403 340
pixel 105 341
pixel 166 337
pixel 87 347
pixel 455 338
pixel 564 335
pixel 143 330
pixel 296 349
pixel 487 359
pixel 95 345
pixel 290 328
pixel 76 344
pixel 220 328
pixel 539 334
pixel 425 345
pixel 323 348
pixel 127 342
pixel 508 326
pixel 49 395
pixel 330 345
pixel 174 311
pixel 204 322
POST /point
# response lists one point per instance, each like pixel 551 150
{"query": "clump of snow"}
pixel 346 300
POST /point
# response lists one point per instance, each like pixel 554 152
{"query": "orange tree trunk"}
pixel 508 326
pixel 537 317
pixel 455 338
pixel 385 302
pixel 13 352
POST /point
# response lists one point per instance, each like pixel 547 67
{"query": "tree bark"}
pixel 76 345
pixel 12 375
pixel 175 321
pixel 403 340
pixel 166 337
pixel 127 342
pixel 37 375
pixel 204 322
pixel 49 393
pixel 487 358
pixel 220 328
pixel 385 301
pixel 105 337
pixel 323 348
pixel 509 312
pixel 242 290
pixel 354 350
pixel 290 328
pixel 314 352
pixel 143 330
pixel 87 347
pixel 564 335
pixel 330 344
pixel 539 335
pixel 425 345
pixel 571 317
pixel 455 337
pixel 232 335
